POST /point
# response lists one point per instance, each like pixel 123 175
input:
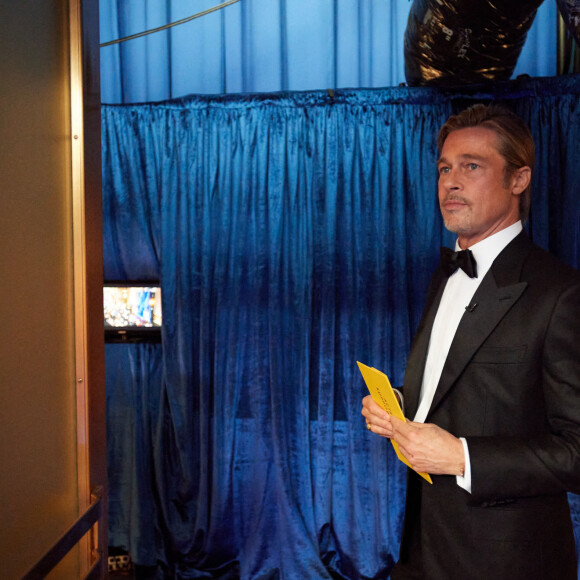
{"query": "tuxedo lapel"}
pixel 493 304
pixel 497 293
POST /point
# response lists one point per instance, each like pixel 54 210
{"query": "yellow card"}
pixel 382 393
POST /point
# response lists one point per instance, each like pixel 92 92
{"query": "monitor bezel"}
pixel 126 334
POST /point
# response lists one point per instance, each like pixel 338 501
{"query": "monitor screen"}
pixel 132 310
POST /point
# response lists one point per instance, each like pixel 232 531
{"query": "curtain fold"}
pixel 293 234
pixel 134 380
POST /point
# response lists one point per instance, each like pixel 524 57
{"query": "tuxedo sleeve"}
pixel 548 462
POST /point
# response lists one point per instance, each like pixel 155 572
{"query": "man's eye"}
pixel 473 166
pixel 443 170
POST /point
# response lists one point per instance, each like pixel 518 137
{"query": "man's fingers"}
pixel 399 426
pixel 377 419
pixel 373 407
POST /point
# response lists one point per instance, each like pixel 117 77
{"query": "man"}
pixel 493 378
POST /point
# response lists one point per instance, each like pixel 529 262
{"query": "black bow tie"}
pixel 451 260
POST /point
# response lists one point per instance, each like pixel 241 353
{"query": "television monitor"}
pixel 132 311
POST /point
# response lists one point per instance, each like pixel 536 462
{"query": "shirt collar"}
pixel 486 251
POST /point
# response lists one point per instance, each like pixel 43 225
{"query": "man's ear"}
pixel 520 179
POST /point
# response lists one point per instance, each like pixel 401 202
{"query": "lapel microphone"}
pixel 471 307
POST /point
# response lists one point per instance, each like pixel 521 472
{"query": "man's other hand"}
pixel 428 448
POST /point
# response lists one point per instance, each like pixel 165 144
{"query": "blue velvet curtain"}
pixel 293 234
pixel 271 45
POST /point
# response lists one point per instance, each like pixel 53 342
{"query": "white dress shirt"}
pixel 457 295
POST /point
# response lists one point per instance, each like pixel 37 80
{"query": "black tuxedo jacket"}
pixel 511 387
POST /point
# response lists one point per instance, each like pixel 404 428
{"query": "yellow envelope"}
pixel 382 393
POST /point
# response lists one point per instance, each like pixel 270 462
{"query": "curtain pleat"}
pixel 293 234
pixel 134 386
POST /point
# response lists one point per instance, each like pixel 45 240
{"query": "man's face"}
pixel 475 198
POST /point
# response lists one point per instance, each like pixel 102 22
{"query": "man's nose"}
pixel 450 180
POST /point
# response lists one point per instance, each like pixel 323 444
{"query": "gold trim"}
pixel 79 273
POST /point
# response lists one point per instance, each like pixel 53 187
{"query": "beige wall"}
pixel 38 446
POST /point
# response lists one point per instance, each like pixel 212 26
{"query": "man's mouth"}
pixel 453 204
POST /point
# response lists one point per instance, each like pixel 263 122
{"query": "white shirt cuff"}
pixel 401 399
pixel 464 480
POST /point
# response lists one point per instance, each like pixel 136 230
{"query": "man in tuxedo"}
pixel 492 383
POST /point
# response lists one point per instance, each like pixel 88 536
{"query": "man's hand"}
pixel 429 448
pixel 378 420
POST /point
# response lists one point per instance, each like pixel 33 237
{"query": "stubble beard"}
pixel 458 224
